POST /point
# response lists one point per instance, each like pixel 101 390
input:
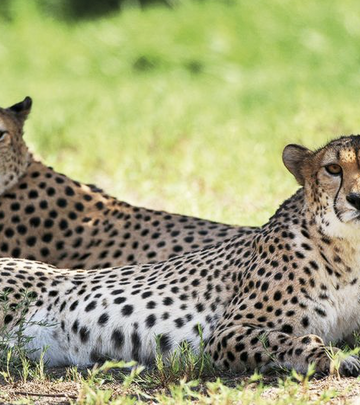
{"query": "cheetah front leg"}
pixel 249 347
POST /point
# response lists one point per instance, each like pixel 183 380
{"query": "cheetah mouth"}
pixel 348 216
pixel 353 217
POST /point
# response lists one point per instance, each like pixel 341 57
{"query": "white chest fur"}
pixel 342 310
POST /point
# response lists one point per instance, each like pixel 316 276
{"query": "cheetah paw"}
pixel 350 367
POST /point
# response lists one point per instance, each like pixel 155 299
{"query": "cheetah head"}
pixel 14 155
pixel 331 180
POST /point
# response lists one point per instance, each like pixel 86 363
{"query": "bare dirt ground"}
pixel 50 392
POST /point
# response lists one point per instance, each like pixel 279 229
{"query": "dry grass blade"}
pixel 35 394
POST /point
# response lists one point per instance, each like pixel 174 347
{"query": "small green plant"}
pixel 26 369
pixel 6 374
pixel 181 393
pixel 183 363
pixel 14 352
pixel 304 379
pixel 356 339
pixel 91 394
pixel 337 356
pixel 73 374
pixel 40 366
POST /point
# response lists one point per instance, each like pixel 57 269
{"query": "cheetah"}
pixel 278 295
pixel 46 216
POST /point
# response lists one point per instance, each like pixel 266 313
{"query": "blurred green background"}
pixel 183 105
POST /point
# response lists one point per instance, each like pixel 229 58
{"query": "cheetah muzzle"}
pixel 280 294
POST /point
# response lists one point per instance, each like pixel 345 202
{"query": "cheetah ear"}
pixel 293 158
pixel 22 109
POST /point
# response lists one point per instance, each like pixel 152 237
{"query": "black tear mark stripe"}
pixel 335 199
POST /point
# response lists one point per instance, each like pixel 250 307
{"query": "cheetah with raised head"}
pixel 279 295
pixel 46 216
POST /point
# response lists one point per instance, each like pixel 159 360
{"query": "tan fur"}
pixel 276 294
pixel 44 215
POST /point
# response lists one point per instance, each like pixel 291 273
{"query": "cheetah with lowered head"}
pixel 280 294
pixel 46 216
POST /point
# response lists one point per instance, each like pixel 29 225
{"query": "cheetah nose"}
pixel 354 200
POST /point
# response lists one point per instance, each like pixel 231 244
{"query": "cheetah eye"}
pixel 334 170
pixel 3 135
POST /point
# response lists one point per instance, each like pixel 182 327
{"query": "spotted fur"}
pixel 280 293
pixel 46 216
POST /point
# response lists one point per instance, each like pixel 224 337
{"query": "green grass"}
pixel 187 108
